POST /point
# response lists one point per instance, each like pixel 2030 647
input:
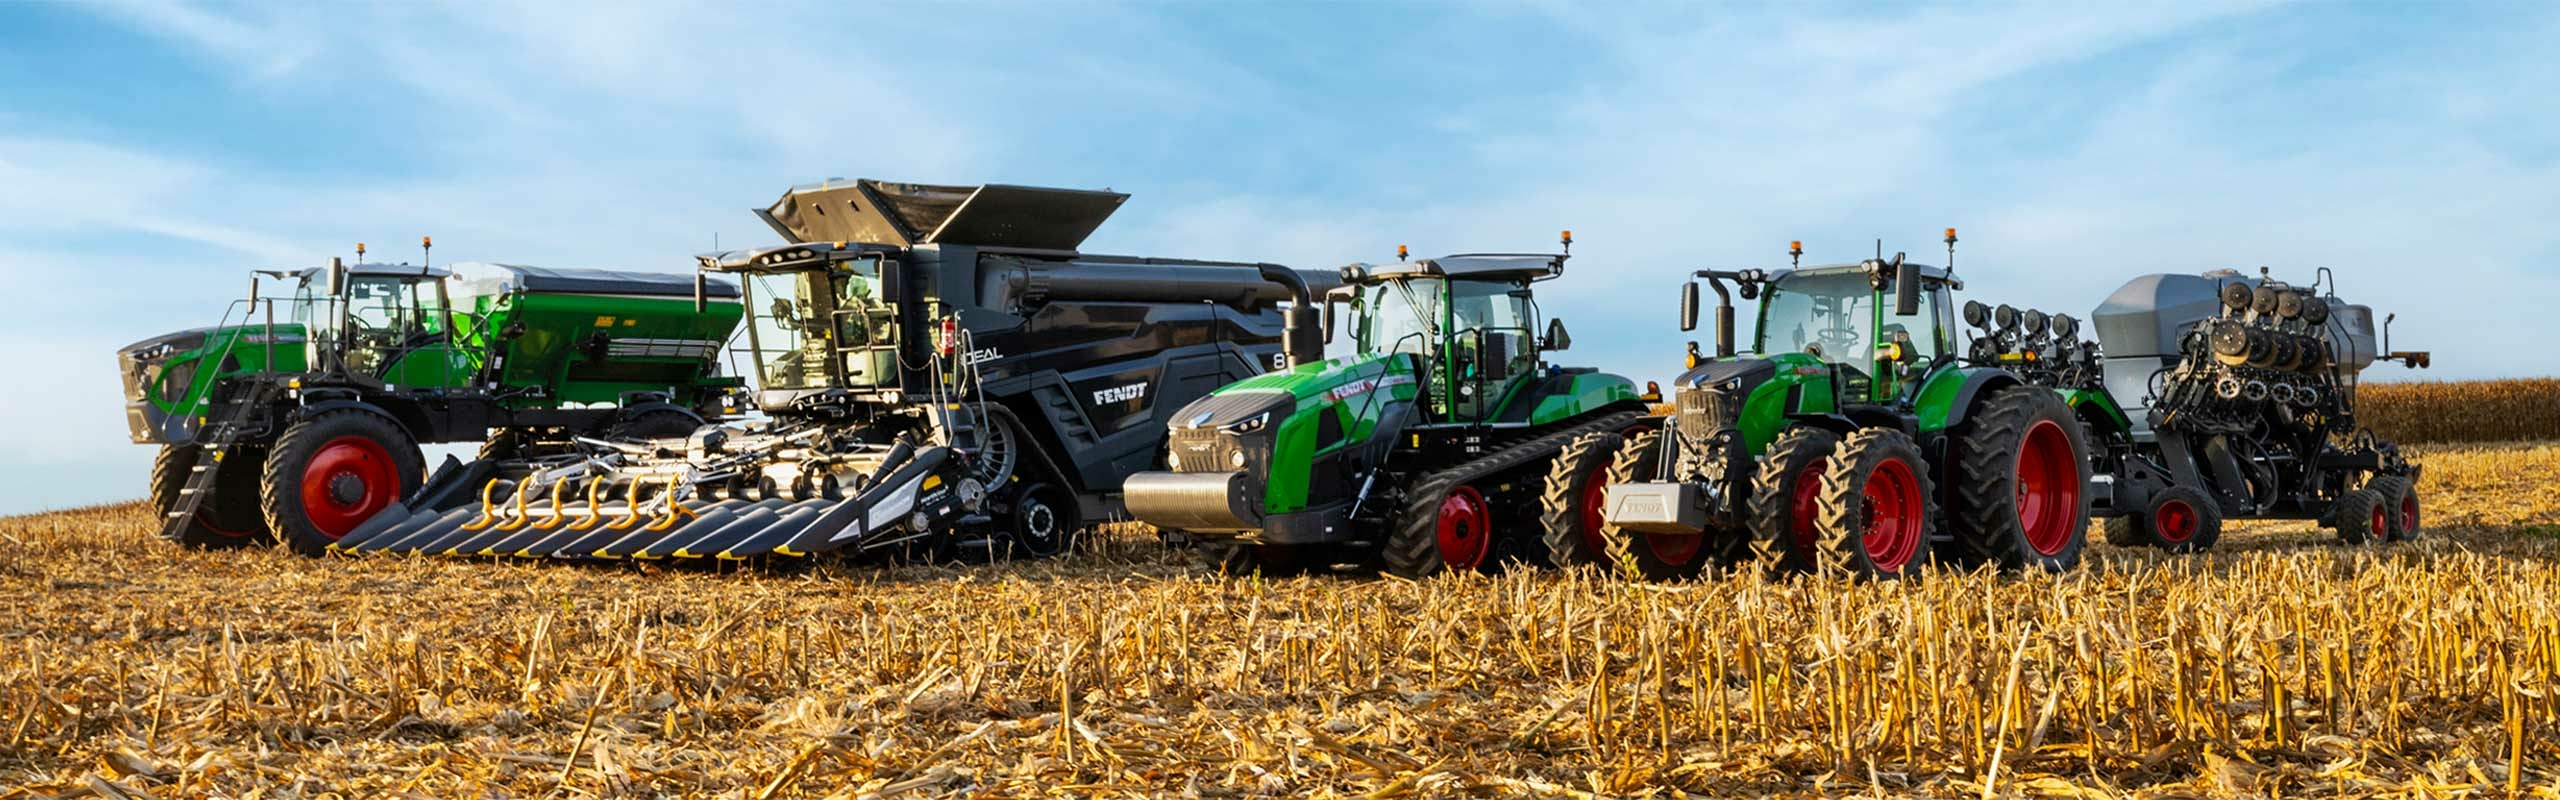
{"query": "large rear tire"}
pixel 2021 478
pixel 1661 556
pixel 331 471
pixel 227 518
pixel 1877 506
pixel 1786 500
pixel 1573 523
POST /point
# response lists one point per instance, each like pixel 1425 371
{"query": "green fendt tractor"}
pixel 302 428
pixel 1853 438
pixel 1424 449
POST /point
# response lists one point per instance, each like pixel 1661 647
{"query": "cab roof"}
pixel 1853 268
pixel 1486 266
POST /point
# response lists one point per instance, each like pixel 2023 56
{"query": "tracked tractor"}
pixel 299 429
pixel 1853 437
pixel 1423 451
pixel 940 370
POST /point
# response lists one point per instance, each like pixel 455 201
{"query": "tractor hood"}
pixel 167 343
pixel 1741 372
pixel 909 214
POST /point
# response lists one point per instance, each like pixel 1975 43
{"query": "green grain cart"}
pixel 298 423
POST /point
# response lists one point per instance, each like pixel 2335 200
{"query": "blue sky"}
pixel 151 153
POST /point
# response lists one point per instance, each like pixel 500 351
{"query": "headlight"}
pixel 1235 458
pixel 1248 424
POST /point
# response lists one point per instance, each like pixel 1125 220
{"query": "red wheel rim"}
pixel 1802 507
pixel 1466 528
pixel 2048 488
pixel 1595 494
pixel 2381 530
pixel 2175 521
pixel 348 480
pixel 1893 515
pixel 2408 513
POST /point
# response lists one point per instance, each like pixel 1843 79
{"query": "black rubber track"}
pixel 1844 485
pixel 1568 478
pixel 280 492
pixel 1773 497
pixel 1412 548
pixel 1985 452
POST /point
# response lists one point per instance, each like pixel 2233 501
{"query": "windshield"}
pixel 784 344
pixel 1829 315
pixel 1400 316
pixel 794 313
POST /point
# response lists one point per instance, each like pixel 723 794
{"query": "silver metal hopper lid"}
pixel 906 214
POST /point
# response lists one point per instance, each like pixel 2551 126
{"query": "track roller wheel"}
pixel 1043 522
pixel 2180 519
pixel 1577 485
pixel 1662 556
pixel 331 471
pixel 1876 506
pixel 2363 517
pixel 2020 473
pixel 229 517
pixel 1786 500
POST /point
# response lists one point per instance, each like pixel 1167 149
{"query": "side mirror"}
pixel 337 277
pixel 1906 288
pixel 1689 306
pixel 1557 339
pixel 1328 320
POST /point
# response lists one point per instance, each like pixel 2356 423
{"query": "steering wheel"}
pixel 1839 340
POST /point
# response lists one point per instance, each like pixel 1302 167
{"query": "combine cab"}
pixel 1422 452
pixel 939 367
pixel 302 428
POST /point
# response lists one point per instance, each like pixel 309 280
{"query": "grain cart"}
pixel 1853 437
pixel 300 429
pixel 1423 449
pixel 2246 389
pixel 940 369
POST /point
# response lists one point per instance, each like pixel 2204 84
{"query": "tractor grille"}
pixel 1201 450
pixel 1706 412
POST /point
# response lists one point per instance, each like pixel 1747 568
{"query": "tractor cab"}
pixel 1841 316
pixel 1468 322
pixel 394 323
pixel 823 316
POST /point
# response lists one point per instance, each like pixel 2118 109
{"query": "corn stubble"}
pixel 2282 664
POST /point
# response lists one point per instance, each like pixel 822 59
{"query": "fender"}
pixel 330 400
pixel 1945 400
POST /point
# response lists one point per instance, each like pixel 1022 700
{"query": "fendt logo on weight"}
pixel 1119 394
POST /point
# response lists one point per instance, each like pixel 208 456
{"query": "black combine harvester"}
pixel 940 370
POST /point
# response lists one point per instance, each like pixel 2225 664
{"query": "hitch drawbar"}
pixel 917 493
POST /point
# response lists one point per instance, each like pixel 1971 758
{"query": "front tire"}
pixel 1661 556
pixel 1446 526
pixel 1877 509
pixel 228 518
pixel 2021 475
pixel 1786 500
pixel 331 471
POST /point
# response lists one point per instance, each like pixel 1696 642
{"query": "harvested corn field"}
pixel 2279 663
